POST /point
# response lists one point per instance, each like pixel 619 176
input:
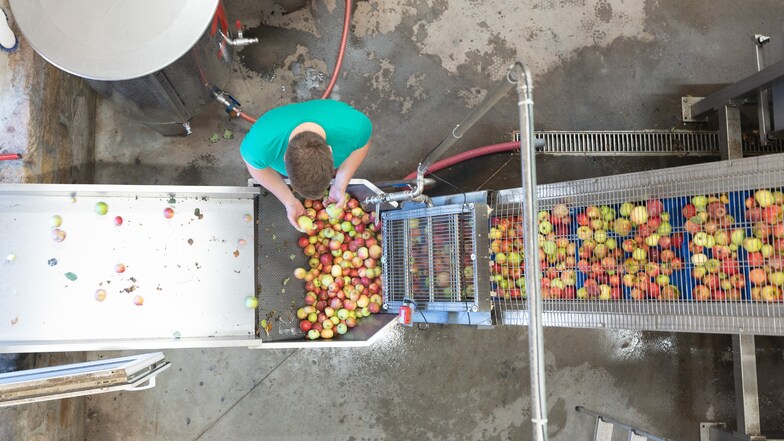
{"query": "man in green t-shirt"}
pixel 306 142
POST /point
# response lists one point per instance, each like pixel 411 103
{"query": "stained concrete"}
pixel 416 68
pixel 47 116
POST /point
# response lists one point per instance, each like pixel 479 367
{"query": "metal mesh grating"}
pixel 430 257
pixel 697 248
pixel 643 143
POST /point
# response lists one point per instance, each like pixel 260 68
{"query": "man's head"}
pixel 309 164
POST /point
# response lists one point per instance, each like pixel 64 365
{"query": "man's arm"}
pixel 344 174
pixel 272 181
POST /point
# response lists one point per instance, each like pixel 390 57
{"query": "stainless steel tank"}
pixel 156 60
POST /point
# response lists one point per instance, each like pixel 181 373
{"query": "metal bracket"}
pixel 730 135
pixel 705 428
pixel 686 115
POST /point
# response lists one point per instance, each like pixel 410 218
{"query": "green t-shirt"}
pixel 265 144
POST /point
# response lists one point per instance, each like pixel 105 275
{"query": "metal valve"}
pixel 240 40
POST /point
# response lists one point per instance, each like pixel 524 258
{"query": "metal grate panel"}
pixel 643 143
pixel 717 265
pixel 430 257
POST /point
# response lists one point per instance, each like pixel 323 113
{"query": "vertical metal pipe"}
pixel 522 77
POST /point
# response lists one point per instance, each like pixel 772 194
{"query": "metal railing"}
pixel 642 143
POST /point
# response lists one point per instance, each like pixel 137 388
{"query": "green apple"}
pixel 764 198
pixel 639 254
pixel 699 259
pixel 776 278
pixel 626 209
pixel 699 202
pixel 752 244
pixel 700 239
pixel 738 235
pixel 545 227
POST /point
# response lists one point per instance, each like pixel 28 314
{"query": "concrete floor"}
pixel 416 68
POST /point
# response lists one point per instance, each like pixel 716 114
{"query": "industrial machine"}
pixel 159 62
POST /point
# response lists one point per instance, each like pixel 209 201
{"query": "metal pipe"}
pixel 520 75
pixel 240 41
pixel 461 128
pixel 400 196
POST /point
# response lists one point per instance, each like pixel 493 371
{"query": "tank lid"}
pixel 112 39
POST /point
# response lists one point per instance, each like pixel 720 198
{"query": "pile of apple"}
pixel 713 246
pixel 556 255
pixel 343 281
pixel 765 245
pixel 633 248
pixel 507 253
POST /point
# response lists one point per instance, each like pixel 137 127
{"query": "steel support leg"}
pixel 730 138
pixel 746 393
pixel 777 94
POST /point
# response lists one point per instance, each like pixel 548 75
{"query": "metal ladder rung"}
pixel 603 431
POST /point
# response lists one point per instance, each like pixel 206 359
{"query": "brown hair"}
pixel 309 164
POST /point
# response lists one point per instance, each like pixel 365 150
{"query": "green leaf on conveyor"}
pixel 214 138
pixel 70 276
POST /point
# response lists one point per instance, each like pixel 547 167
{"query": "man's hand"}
pixel 294 210
pixel 338 195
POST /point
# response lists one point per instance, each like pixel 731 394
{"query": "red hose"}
pixel 343 40
pixel 246 117
pixel 471 154
pixel 10 156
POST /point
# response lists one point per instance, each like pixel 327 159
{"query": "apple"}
pixel 776 278
pixel 699 202
pixel 701 293
pixel 764 198
pixel 716 210
pixel 752 244
pixel 655 207
pixel 757 276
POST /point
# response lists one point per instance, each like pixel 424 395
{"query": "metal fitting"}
pixel 239 41
pixel 403 196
